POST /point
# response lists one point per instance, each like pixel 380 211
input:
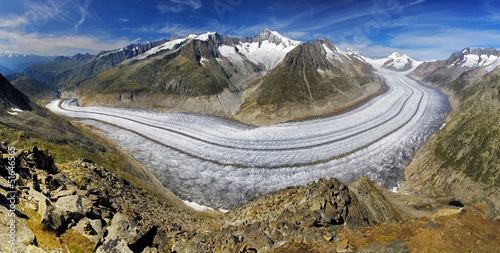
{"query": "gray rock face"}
pixel 52 218
pixel 76 206
pixel 35 249
pixel 92 229
pixel 115 245
pixel 122 226
pixel 23 234
pixel 186 247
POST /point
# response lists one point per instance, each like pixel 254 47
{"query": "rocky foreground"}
pixel 81 207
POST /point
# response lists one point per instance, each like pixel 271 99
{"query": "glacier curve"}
pixel 219 163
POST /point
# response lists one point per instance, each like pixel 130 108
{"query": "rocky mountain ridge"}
pixel 459 70
pixel 314 79
pixel 218 75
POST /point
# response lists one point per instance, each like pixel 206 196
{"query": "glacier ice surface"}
pixel 216 163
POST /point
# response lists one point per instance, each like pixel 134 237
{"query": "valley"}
pixel 220 164
pixel 249 126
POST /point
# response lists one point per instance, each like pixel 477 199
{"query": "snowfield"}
pixel 218 163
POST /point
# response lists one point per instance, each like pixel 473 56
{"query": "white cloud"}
pixel 58 45
pixel 122 20
pixel 177 6
pixel 12 21
pixel 295 34
pixel 450 38
pixel 179 30
pixel 83 9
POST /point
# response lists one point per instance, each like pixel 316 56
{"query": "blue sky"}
pixel 422 29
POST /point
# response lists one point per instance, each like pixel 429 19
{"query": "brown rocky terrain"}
pixel 81 207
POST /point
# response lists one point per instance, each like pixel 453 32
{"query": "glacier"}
pixel 217 163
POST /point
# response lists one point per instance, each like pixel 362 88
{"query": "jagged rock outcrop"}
pixel 374 202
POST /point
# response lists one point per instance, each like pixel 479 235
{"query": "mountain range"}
pixel 395 61
pixel 258 80
pixel 15 63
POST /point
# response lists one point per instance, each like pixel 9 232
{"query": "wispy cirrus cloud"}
pixel 31 30
pixel 84 10
pixel 39 13
pixel 12 21
pixel 177 6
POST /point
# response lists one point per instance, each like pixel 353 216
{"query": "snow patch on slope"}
pixel 473 61
pixel 332 55
pixel 230 53
pixel 205 36
pixel 266 52
pixel 203 60
pixel 169 45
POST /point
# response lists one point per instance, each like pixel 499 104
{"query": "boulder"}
pixel 36 195
pixel 41 160
pixel 52 218
pixel 254 237
pixel 122 226
pixel 63 193
pixel 76 206
pixel 186 247
pixel 149 250
pixel 35 249
pixel 17 247
pixel 23 234
pixel 114 245
pixel 92 229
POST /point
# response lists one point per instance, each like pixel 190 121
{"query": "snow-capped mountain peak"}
pixel 267 49
pixel 205 36
pixel 394 61
pixel 352 52
pixel 488 58
pixel 276 38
